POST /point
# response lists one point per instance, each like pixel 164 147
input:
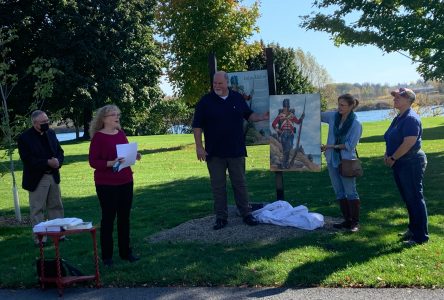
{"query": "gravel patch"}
pixel 236 232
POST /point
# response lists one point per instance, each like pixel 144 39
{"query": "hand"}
pixel 119 159
pixel 201 153
pixel 138 156
pixel 323 148
pixel 53 163
pixel 302 116
pixel 388 161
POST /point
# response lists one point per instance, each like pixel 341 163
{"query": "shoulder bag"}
pixel 351 167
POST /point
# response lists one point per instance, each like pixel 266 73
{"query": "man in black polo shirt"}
pixel 220 115
pixel 42 158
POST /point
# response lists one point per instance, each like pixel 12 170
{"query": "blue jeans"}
pixel 344 187
pixel 408 172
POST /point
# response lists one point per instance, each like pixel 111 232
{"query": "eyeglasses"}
pixel 113 115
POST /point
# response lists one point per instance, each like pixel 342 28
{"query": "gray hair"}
pixel 35 114
pixel 225 74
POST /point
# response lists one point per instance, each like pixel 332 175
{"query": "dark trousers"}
pixel 409 173
pixel 115 200
pixel 217 167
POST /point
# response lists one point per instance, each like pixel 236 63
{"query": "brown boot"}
pixel 345 209
pixel 354 213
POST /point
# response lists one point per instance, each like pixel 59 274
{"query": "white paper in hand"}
pixel 128 152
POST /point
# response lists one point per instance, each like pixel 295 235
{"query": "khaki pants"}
pixel 46 198
pixel 217 167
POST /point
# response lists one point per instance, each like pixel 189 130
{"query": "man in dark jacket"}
pixel 220 116
pixel 42 158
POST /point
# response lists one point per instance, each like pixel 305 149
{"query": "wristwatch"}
pixel 392 158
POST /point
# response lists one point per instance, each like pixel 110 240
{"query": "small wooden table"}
pixel 60 281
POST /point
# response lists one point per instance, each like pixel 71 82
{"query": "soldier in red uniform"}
pixel 284 124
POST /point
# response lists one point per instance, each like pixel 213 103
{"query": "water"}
pixel 385 114
pixel 373 115
pixel 68 136
pixel 363 116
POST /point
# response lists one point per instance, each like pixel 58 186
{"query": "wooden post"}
pixel 279 175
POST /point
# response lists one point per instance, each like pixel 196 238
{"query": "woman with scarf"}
pixel 344 133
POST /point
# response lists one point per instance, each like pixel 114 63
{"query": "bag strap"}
pixel 356 150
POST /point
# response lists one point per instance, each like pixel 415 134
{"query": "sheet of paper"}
pixel 127 152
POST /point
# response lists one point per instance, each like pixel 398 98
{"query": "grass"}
pixel 172 187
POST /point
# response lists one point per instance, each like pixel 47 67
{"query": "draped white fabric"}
pixel 283 214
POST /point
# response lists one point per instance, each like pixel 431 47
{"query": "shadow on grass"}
pixel 69 159
pixel 164 206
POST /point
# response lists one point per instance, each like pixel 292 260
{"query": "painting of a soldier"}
pixel 295 133
pixel 284 125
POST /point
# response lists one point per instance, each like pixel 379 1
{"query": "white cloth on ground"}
pixel 283 214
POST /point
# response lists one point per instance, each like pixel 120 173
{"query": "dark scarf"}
pixel 340 133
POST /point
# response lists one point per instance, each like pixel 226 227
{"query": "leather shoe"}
pixel 250 220
pixel 131 258
pixel 220 223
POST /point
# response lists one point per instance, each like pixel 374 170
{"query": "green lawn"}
pixel 172 187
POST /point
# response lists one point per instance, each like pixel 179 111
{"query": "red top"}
pixel 103 149
pixel 284 121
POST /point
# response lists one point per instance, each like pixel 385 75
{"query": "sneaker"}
pixel 405 236
pixel 220 223
pixel 354 227
pixel 250 220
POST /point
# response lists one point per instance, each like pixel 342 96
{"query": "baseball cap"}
pixel 404 92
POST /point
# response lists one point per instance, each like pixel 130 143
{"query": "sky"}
pixel 279 23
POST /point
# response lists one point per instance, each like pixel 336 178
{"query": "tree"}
pixel 412 28
pixel 315 73
pixel 105 50
pixel 288 72
pixel 42 71
pixel 166 115
pixel 192 29
pixel 289 76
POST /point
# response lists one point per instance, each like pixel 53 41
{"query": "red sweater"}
pixel 103 149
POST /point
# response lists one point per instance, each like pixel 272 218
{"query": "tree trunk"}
pixel 87 117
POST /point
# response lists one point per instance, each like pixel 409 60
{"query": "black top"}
pixel 35 149
pixel 222 124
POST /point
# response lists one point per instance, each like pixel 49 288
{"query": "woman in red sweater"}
pixel 114 189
